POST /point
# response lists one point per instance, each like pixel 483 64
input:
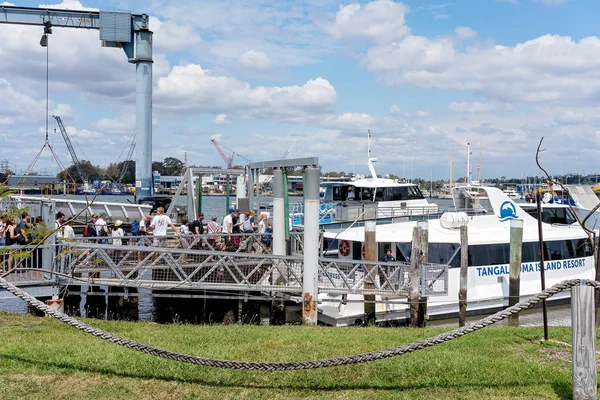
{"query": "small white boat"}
pixel 512 194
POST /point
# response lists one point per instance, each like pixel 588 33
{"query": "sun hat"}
pixel 102 214
pixel 118 222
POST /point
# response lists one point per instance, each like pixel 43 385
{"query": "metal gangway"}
pixel 209 262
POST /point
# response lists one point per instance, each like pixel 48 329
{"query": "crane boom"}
pixel 127 159
pixel 65 136
pixel 223 156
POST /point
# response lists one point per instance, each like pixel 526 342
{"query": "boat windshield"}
pixel 396 193
pixel 368 194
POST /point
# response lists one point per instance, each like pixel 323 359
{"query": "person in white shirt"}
pixel 69 233
pixel 58 224
pixel 228 222
pixel 159 226
pixel 102 227
pixel 117 233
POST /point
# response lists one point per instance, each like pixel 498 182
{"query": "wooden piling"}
pixel 415 280
pixel 584 342
pixel 464 268
pixel 422 316
pixel 370 256
pixel 514 286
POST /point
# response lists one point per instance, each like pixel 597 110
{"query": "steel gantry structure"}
pixel 117 29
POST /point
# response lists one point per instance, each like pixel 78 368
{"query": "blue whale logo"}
pixel 508 211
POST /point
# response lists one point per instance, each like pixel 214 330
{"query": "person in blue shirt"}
pixel 388 257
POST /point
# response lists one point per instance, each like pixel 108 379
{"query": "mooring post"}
pixel 415 255
pixel 584 342
pixel 310 288
pixel 514 285
pixel 424 225
pixel 370 257
pixel 464 269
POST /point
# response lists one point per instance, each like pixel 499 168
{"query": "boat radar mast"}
pixel 370 160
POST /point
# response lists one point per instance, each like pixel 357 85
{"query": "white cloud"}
pixel 256 60
pixel 470 107
pixel 192 89
pixel 221 119
pixel 422 114
pixel 171 36
pixel 550 3
pixel 394 109
pixel 548 68
pixel 379 20
pixel 350 121
pixel 123 124
pixel 68 5
pixel 464 32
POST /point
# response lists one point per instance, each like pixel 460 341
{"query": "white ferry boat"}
pixel 567 254
pixel 391 197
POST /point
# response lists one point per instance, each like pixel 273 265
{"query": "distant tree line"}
pixel 172 166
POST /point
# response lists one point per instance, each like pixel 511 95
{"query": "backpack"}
pixel 247 226
pixel 20 239
pixel 135 228
pixel 89 230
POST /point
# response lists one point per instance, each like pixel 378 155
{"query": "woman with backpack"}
pixel 249 223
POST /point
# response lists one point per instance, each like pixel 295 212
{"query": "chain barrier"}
pixel 297 365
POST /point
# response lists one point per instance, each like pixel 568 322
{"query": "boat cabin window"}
pixel 551 215
pixel 339 193
pixel 400 193
pixel 498 254
pixel 438 253
pixel 364 194
pixel 330 247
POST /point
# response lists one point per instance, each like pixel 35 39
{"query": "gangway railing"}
pixel 203 267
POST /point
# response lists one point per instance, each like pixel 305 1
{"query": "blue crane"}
pixel 131 32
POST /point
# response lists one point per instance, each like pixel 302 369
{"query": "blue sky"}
pixel 424 76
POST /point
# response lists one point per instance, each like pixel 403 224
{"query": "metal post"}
pixel 415 255
pixel 514 287
pixel 143 101
pixel 542 263
pixel 464 269
pixel 191 206
pixel 370 256
pixel 227 194
pixel 240 194
pixel 251 190
pixel 286 206
pixel 311 246
pixel 278 214
pixel 198 192
pixel 584 342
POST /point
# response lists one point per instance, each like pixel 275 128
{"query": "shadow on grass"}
pixel 562 390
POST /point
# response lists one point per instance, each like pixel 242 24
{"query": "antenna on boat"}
pixel 451 168
pixel 479 164
pixel 468 174
pixel 370 160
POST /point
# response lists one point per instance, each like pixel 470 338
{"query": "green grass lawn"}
pixel 41 358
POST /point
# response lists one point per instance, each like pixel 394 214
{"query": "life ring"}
pixel 344 248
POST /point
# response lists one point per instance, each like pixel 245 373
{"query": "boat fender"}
pixel 454 220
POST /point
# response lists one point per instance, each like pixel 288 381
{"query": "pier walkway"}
pixel 204 266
